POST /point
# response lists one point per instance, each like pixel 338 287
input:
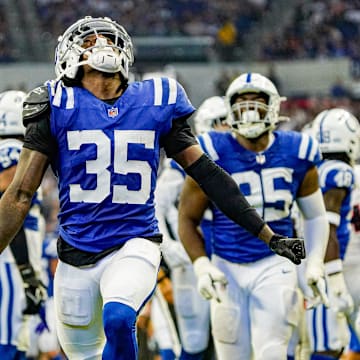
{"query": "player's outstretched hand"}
pixel 208 277
pixel 291 248
pixel 315 280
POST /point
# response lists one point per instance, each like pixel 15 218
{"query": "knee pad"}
pixel 118 319
pixel 185 304
pixel 75 307
pixel 225 323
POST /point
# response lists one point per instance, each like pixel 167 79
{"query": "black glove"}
pixel 35 290
pixel 291 248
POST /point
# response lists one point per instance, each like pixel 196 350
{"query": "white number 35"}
pixel 123 166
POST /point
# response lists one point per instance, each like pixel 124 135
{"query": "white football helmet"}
pixel 252 118
pixel 11 105
pixel 212 111
pixel 110 58
pixel 337 131
pixel 308 129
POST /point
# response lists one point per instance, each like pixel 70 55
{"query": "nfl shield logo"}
pixel 113 112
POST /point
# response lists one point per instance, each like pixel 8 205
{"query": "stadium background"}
pixel 311 49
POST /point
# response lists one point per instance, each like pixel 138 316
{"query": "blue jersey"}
pixel 270 181
pixel 335 174
pixel 108 158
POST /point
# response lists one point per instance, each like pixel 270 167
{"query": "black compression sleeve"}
pixel 220 187
pixel 179 138
pixel 19 248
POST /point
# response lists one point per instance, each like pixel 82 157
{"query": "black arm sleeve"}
pixel 220 187
pixel 19 248
pixel 179 138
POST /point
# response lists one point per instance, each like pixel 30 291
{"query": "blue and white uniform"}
pixel 269 180
pixel 107 163
pixel 329 329
pixel 335 174
pixel 261 285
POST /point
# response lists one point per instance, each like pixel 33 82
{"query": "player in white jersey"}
pixel 103 136
pixel 21 293
pixel 254 312
pixel 338 134
pixel 192 311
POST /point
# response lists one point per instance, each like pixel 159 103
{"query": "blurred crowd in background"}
pixel 314 29
pixel 224 20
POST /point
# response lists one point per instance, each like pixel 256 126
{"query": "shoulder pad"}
pixel 35 104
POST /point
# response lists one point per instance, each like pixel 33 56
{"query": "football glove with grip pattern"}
pixel 35 290
pixel 291 248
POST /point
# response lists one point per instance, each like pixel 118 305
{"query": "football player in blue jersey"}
pixel 253 316
pixel 338 134
pixel 21 292
pixel 192 311
pixel 102 137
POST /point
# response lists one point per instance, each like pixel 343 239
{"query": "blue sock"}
pixel 10 352
pixel 167 354
pixel 290 357
pixel 119 326
pixel 354 341
pixel 322 357
pixel 195 356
